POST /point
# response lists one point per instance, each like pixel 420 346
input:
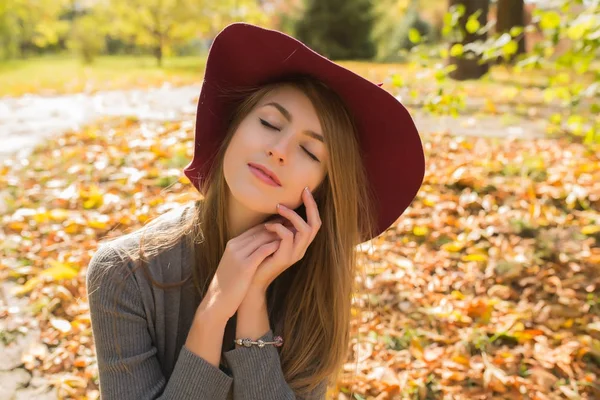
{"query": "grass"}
pixel 66 74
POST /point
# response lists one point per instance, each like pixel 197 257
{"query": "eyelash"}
pixel 311 155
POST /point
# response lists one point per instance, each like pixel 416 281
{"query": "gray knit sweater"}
pixel 140 330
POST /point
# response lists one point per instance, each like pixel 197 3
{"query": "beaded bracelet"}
pixel 278 342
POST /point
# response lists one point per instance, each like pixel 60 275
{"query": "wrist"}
pixel 209 316
pixel 256 297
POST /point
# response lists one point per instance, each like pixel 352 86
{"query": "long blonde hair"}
pixel 310 303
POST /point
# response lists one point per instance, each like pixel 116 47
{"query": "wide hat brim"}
pixel 245 55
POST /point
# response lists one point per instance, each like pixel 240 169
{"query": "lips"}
pixel 267 172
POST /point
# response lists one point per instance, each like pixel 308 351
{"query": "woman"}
pixel 298 160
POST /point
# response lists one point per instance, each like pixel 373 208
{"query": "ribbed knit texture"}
pixel 139 331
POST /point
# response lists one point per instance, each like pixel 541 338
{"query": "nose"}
pixel 277 157
pixel 279 149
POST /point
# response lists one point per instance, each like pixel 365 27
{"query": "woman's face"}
pixel 281 135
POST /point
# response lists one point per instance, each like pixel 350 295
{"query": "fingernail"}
pixel 277 206
pixel 306 188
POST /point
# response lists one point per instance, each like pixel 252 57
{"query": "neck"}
pixel 240 218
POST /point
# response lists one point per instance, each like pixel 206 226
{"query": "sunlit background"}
pixel 487 287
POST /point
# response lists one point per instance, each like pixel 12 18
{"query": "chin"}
pixel 252 197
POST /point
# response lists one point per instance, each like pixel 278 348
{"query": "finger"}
pixel 263 252
pixel 304 232
pixel 296 220
pixel 286 236
pixel 312 212
pixel 241 238
pixel 257 240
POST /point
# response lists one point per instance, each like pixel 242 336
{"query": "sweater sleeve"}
pixel 257 374
pixel 127 359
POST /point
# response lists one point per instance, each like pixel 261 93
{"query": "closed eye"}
pixel 311 155
pixel 268 125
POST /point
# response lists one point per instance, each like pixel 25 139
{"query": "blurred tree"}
pixel 156 24
pixel 28 26
pixel 338 29
pixel 469 20
pixel 510 16
pixel 159 24
pixel 88 35
pixel 397 21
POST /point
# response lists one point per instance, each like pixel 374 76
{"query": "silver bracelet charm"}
pixel 277 342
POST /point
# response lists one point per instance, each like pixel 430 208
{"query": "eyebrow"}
pixel 288 116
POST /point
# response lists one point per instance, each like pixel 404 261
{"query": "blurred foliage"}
pixel 338 29
pixel 399 27
pixel 26 26
pixel 87 38
pixel 155 26
pixel 161 24
pixel 569 45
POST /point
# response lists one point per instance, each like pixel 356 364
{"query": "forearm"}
pixel 205 337
pixel 252 316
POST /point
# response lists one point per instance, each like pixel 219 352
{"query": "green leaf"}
pixel 414 35
pixel 472 25
pixel 516 31
pixel 397 80
pixel 550 20
pixel 456 50
pixel 510 48
pixel 580 27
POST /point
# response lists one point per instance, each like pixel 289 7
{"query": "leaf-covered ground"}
pixel 487 288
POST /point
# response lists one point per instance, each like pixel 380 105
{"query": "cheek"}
pixel 311 179
pixel 230 157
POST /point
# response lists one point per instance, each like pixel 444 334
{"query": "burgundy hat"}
pixel 244 55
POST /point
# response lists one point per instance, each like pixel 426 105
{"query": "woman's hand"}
pixel 294 241
pixel 236 269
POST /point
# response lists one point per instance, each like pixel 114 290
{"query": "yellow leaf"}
pixel 420 230
pixel 96 224
pixel 429 201
pixel 99 222
pixel 72 228
pixel 590 229
pixel 568 323
pixel 16 226
pixel 59 271
pixel 490 106
pixel 460 359
pixel 26 288
pixel 184 180
pixel 41 217
pixel 92 197
pixel 475 257
pixel 453 247
pixel 457 295
pixel 416 349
